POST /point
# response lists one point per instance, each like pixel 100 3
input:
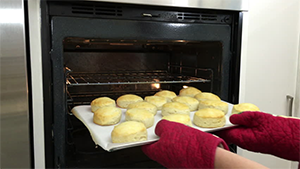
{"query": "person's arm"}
pixel 226 159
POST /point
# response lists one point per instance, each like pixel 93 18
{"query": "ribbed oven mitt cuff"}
pixel 181 146
pixel 265 133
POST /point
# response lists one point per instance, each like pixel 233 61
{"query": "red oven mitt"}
pixel 265 133
pixel 181 146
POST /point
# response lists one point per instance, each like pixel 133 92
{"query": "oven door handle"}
pixel 290 101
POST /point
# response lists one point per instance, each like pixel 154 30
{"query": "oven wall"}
pixel 269 62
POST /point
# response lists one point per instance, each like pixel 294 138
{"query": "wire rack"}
pixel 117 78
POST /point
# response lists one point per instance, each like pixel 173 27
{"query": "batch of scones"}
pixel 125 100
pixel 179 118
pixel 216 104
pixel 209 110
pixel 244 107
pixel 209 118
pixel 106 116
pixel 206 96
pixel 175 108
pixel 140 115
pixel 158 101
pixel 169 95
pixel 189 91
pixel 129 131
pixel 144 105
pixel 102 102
pixel 191 102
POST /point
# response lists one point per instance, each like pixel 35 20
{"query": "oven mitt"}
pixel 181 146
pixel 265 133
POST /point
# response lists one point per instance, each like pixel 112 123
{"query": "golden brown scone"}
pixel 125 100
pixel 207 96
pixel 169 95
pixel 144 105
pixel 217 104
pixel 209 118
pixel 175 108
pixel 129 131
pixel 102 102
pixel 179 118
pixel 140 115
pixel 158 101
pixel 106 116
pixel 189 101
pixel 244 107
pixel 189 91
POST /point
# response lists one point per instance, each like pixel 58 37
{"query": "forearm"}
pixel 226 159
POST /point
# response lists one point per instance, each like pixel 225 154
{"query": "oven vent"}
pixel 197 16
pixel 101 10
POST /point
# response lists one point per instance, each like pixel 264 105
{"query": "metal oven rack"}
pixel 137 77
pixel 88 79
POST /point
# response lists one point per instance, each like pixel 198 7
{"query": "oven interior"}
pixel 97 54
pixel 100 67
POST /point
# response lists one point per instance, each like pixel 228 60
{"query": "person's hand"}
pixel 181 146
pixel 265 133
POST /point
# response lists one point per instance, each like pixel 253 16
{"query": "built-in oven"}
pixel 94 48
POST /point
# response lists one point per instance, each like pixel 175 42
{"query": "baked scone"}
pixel 189 101
pixel 209 118
pixel 124 100
pixel 140 115
pixel 175 108
pixel 169 95
pixel 129 131
pixel 179 118
pixel 102 102
pixel 206 96
pixel 217 104
pixel 189 91
pixel 106 116
pixel 244 107
pixel 158 101
pixel 144 105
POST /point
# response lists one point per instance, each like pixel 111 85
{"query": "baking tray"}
pixel 101 135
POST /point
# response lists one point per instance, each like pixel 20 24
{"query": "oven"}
pixel 90 49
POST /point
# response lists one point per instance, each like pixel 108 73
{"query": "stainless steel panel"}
pixel 236 5
pixel 15 143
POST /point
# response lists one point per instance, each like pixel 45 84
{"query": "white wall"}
pixel 269 61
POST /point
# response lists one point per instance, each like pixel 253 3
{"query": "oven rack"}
pixel 85 98
pixel 134 77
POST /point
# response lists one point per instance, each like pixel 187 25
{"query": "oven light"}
pixel 181 41
pixel 86 41
pixel 184 86
pixel 155 86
